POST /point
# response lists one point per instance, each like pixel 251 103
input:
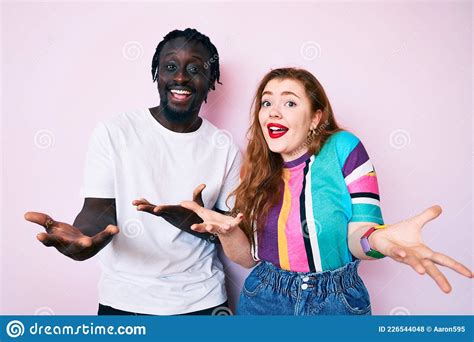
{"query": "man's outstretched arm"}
pixel 92 230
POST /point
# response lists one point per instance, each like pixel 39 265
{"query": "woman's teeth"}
pixel 277 129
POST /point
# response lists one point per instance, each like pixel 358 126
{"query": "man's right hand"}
pixel 68 239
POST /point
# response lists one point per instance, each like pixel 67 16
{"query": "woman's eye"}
pixel 171 67
pixel 290 104
pixel 266 103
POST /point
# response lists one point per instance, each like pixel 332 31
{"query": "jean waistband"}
pixel 326 281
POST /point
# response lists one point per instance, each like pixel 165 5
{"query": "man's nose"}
pixel 181 76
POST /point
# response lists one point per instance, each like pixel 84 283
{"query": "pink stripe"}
pixel 296 249
pixel 365 183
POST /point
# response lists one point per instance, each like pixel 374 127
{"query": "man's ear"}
pixel 316 118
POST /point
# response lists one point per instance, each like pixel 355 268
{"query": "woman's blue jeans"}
pixel 269 290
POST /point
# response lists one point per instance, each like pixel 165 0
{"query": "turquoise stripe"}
pixel 344 143
pixel 366 213
pixel 331 207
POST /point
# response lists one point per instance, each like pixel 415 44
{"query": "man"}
pixel 161 154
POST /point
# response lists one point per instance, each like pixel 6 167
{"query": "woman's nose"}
pixel 274 113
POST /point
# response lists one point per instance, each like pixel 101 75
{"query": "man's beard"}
pixel 172 115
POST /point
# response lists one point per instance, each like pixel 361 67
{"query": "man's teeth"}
pixel 180 92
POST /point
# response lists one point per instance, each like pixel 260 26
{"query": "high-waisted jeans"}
pixel 269 290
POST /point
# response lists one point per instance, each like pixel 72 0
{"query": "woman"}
pixel 309 209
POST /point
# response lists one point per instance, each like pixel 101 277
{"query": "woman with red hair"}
pixel 307 210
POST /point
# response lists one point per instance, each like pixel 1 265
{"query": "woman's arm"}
pixel 355 232
pixel 402 242
pixel 237 248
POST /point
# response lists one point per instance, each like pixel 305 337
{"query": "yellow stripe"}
pixel 285 211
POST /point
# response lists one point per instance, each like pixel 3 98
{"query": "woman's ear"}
pixel 316 118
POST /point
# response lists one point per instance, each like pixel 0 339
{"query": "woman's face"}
pixel 286 118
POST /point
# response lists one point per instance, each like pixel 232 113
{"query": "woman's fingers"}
pixel 211 227
pixel 199 227
pixel 437 275
pixel 197 194
pixel 444 260
pixel 199 210
pixel 236 220
pixel 140 201
pixel 409 259
pixel 428 214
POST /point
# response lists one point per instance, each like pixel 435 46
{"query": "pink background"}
pixel 398 75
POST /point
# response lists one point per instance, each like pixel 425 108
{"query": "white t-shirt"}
pixel 151 266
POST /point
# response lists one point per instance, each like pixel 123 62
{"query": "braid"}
pixel 190 35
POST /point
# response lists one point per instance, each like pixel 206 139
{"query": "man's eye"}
pixel 193 69
pixel 290 104
pixel 171 67
pixel 266 103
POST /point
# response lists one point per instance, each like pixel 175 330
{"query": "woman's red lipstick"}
pixel 276 130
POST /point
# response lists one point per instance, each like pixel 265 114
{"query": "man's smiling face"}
pixel 183 81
